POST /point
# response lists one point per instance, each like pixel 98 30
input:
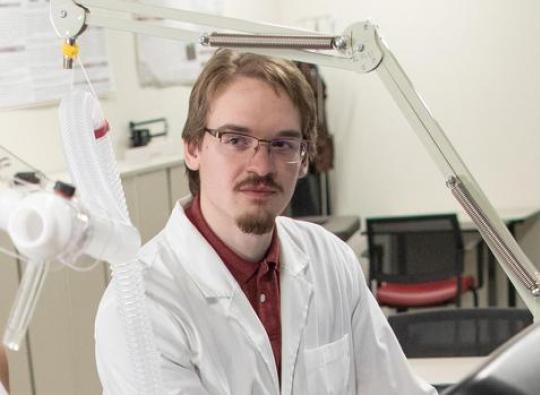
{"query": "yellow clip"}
pixel 70 51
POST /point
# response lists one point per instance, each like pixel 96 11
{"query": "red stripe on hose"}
pixel 102 131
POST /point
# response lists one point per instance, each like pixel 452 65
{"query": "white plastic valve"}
pixel 42 226
pixel 112 241
pixel 9 200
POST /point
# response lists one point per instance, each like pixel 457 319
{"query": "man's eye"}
pixel 236 140
pixel 284 144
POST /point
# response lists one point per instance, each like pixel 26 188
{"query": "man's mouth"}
pixel 259 186
pixel 258 191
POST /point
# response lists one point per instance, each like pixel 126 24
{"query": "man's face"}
pixel 246 189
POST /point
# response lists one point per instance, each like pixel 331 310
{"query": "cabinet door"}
pixel 147 195
pixel 178 183
pixel 20 378
pixel 150 197
pixel 62 331
pixel 130 190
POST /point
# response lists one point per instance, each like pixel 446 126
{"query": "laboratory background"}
pixel 474 63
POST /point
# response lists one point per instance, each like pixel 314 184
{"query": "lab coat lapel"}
pixel 217 284
pixel 240 310
pixel 296 292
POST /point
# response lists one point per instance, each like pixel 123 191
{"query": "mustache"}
pixel 254 180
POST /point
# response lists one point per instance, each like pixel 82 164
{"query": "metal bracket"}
pixel 68 18
pixel 363 46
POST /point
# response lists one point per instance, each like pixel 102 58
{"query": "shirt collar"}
pixel 240 268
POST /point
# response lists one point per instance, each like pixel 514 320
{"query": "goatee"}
pixel 257 223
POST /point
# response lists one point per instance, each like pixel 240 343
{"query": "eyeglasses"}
pixel 285 149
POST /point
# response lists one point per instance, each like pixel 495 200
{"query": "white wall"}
pixel 33 134
pixel 474 62
pixel 476 65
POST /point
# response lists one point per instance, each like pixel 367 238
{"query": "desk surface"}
pixel 445 370
pixel 343 226
pixel 508 215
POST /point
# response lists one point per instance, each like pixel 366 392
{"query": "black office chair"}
pixel 417 261
pixel 457 332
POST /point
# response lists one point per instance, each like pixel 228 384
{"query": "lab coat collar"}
pixel 214 280
pixel 204 264
pixel 292 258
pixel 198 258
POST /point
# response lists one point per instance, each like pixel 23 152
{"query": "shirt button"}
pixel 262 298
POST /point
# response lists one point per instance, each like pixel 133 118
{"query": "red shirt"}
pixel 258 280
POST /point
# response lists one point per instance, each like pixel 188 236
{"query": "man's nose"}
pixel 262 161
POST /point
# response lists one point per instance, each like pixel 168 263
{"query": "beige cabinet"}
pixel 178 182
pixel 61 335
pixel 21 380
pixel 58 356
pixel 151 195
pixel 147 196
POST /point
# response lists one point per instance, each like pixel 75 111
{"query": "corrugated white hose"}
pixel 93 171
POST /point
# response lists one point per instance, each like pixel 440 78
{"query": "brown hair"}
pixel 224 66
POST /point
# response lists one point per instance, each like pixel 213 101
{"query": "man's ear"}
pixel 304 167
pixel 191 155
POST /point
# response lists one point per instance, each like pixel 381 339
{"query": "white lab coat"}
pixel 335 339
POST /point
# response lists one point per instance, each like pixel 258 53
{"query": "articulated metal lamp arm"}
pixel 360 49
pixel 70 18
pixel 522 273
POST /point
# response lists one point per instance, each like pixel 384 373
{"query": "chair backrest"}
pixel 457 332
pixel 414 248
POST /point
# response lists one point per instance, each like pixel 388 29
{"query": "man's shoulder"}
pixel 331 263
pixel 307 232
pixel 149 257
pixel 294 224
pixel 315 242
pixel 152 247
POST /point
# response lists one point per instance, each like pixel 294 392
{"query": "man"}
pixel 243 301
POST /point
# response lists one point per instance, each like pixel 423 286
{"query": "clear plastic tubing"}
pixel 40 227
pixel 25 303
